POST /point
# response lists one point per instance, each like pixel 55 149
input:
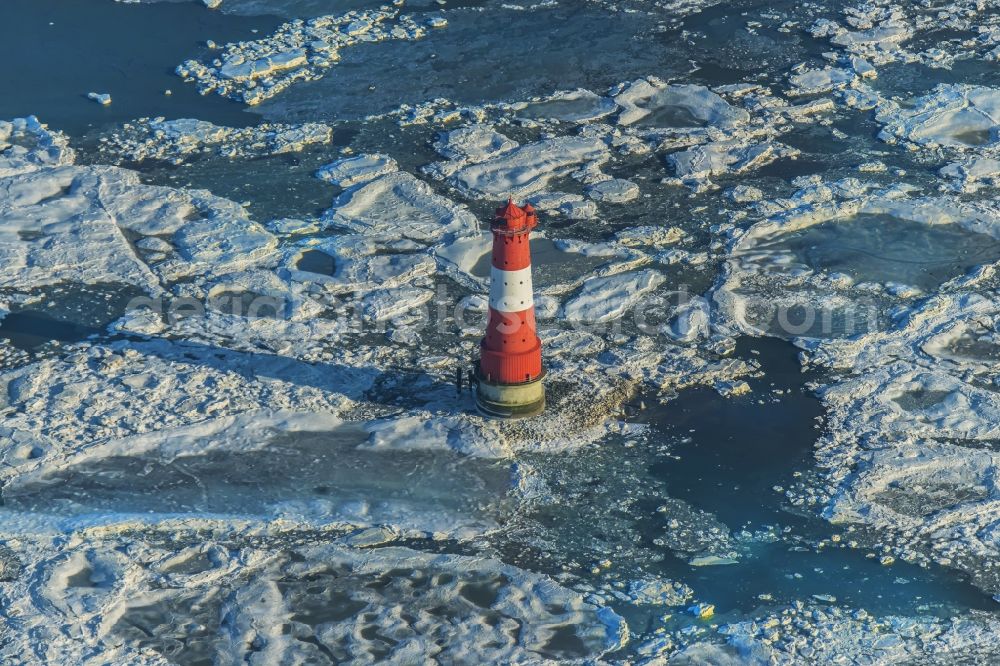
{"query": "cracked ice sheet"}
pixel 200 415
pixel 53 225
pixel 335 603
pixel 196 414
pixel 122 389
pixel 582 411
pixel 321 476
pixel 54 228
pixel 69 223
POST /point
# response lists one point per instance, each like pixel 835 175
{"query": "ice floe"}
pixel 399 203
pixel 98 224
pixel 528 169
pixel 604 299
pixel 104 99
pixel 817 81
pixel 708 135
pixel 54 228
pixel 691 322
pixel 659 104
pixel 874 34
pixel 697 165
pixel 161 390
pixel 972 174
pixel 472 143
pixel 615 190
pixel 659 592
pixel 568 106
pixel 572 206
pixel 351 171
pixel 955 116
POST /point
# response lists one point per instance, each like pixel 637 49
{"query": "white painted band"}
pixel 510 291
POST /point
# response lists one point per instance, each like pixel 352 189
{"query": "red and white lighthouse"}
pixel 509 377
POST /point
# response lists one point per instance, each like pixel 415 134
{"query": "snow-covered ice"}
pixel 27 144
pixel 816 173
pixel 952 116
pixel 910 422
pixel 658 104
pixel 615 190
pixel 568 106
pixel 176 141
pixel 604 299
pixel 399 203
pixel 338 602
pixel 815 253
pixel 354 170
pixel 528 169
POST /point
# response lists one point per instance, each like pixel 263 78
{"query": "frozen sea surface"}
pixel 234 299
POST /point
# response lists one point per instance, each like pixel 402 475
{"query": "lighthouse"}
pixel 509 375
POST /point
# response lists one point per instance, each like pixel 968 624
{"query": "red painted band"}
pixel 511 352
pixel 511 253
pixel 504 368
pixel 510 331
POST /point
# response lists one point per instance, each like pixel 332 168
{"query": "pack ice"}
pixel 893 293
pixel 176 141
pixel 254 71
pixel 145 601
pixel 178 415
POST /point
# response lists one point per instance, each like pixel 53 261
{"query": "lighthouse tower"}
pixel 509 376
